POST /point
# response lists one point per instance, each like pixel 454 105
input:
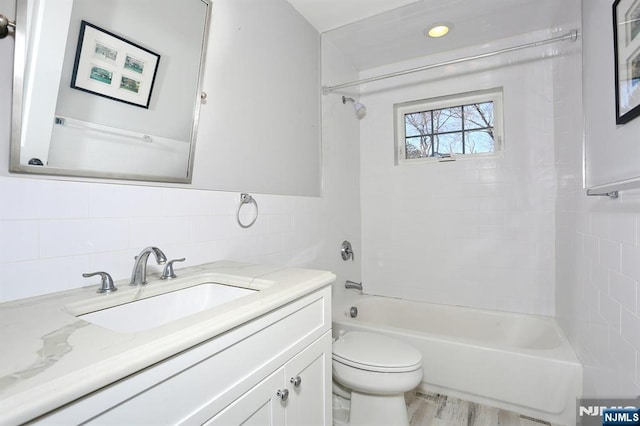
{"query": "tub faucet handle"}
pixel 347 251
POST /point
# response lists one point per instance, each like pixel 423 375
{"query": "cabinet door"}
pixel 308 377
pixel 260 406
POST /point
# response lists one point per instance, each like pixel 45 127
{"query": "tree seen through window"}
pixel 464 129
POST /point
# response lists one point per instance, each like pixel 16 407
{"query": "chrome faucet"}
pixel 139 274
pixel 353 284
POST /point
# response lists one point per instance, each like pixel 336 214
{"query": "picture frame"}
pixel 626 46
pixel 113 67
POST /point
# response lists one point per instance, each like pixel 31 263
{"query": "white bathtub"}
pixel 516 362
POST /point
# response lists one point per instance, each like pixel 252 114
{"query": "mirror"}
pixel 108 89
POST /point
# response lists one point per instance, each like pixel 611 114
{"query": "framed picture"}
pixel 110 66
pixel 626 45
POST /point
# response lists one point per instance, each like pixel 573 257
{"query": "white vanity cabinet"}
pixel 238 377
pixel 294 395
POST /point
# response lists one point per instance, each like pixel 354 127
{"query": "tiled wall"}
pixel 51 232
pixel 598 290
pixel 340 176
pixel 474 232
pixel 597 249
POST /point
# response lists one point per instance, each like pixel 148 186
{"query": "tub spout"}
pixel 353 284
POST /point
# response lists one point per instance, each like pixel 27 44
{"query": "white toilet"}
pixel 377 370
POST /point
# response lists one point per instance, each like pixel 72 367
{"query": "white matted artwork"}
pixel 110 66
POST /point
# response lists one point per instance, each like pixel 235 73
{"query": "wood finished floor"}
pixel 440 410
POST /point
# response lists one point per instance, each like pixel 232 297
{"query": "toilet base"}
pixel 378 410
pixel 340 410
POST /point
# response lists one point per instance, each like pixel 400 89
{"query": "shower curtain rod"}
pixel 572 35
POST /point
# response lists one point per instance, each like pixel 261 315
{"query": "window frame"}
pixel 494 95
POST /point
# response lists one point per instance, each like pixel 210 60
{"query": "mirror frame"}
pixel 19 69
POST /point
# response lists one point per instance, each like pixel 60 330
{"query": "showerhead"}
pixel 361 110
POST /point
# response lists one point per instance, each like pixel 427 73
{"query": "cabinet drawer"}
pixel 191 387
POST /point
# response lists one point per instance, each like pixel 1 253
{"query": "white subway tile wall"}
pixel 53 231
pixel 597 253
pixel 474 232
pixel 597 299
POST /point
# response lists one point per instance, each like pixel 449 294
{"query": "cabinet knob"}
pixel 283 394
pixel 296 381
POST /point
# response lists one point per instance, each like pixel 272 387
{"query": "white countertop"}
pixel 50 357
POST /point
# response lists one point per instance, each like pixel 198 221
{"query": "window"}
pixel 465 124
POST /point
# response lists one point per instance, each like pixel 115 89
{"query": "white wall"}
pixel 52 231
pixel 598 240
pixel 475 232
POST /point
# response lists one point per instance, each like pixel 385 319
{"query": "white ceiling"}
pixel 372 33
pixel 326 15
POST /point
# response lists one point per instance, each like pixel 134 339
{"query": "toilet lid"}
pixel 376 352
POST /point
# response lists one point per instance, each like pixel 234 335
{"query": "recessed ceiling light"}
pixel 439 29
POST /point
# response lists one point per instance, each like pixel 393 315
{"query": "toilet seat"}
pixel 375 352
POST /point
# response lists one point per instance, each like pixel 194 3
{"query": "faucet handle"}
pixel 107 285
pixel 168 271
pixel 347 251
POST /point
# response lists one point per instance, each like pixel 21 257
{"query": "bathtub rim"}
pixel 563 352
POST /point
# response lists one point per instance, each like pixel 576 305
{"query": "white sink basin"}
pixel 154 311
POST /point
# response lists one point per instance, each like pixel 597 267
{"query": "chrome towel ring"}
pixel 246 199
